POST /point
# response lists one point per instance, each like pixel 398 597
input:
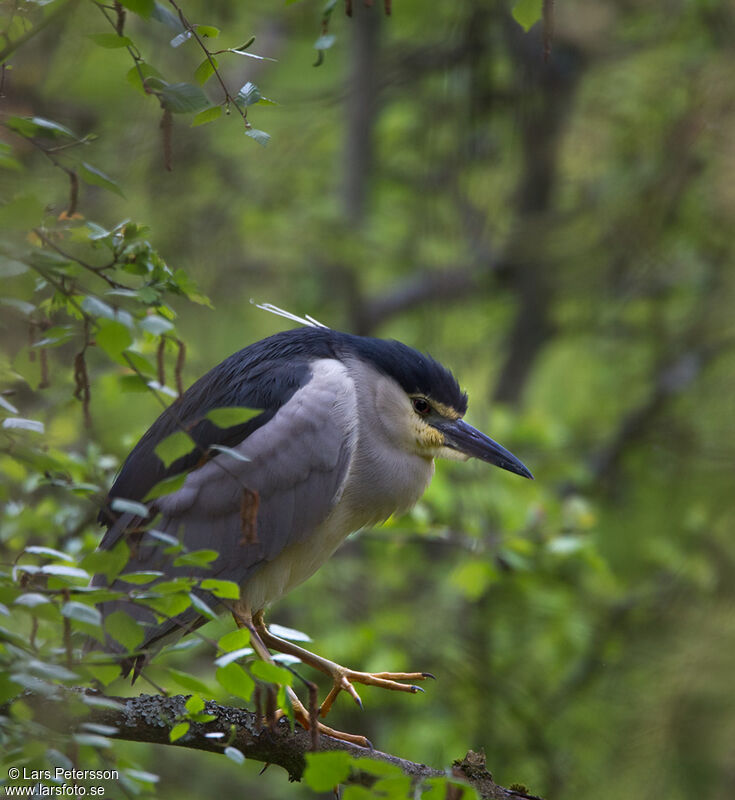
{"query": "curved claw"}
pixel 429 675
pixel 301 715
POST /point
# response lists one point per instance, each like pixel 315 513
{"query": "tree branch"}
pixel 149 718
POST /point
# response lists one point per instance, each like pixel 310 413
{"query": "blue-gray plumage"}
pixel 346 435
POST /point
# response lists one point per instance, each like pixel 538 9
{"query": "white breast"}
pixel 383 478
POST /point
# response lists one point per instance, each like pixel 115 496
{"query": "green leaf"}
pixel 43 669
pixel 166 538
pixel 39 126
pixel 189 682
pixel 261 137
pixel 181 98
pixel 235 755
pixel 110 41
pixel 228 590
pixel 19 305
pixel 8 160
pixel 156 325
pixel 167 485
pixel 438 789
pixel 208 30
pixel 132 383
pixel 526 13
pixel 161 14
pixel 184 36
pixel 141 577
pixel 63 571
pixel 109 563
pixel 144 8
pixel 236 681
pixel 169 605
pixel 21 424
pixel 91 740
pixel 7 406
pixel 195 704
pixel 324 771
pixel 201 606
pixel 354 792
pixel 231 416
pixel 393 787
pixel 325 41
pixel 178 731
pixel 235 640
pixel 98 308
pixel 236 454
pixel 81 613
pixel 48 551
pixel 98 701
pixel 173 447
pixel 139 73
pixel 197 558
pixel 142 776
pixel 205 71
pixel 289 633
pixel 129 507
pixel 235 655
pixel 208 115
pixel 31 600
pixel 382 769
pixel 104 673
pixel 10 267
pixel 56 336
pixel 249 93
pixel 96 177
pixel 124 629
pixel 139 363
pixel 271 673
pixel 113 337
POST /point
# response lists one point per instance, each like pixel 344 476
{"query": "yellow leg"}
pixel 243 619
pixel 342 677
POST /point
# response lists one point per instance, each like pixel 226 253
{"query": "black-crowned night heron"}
pixel 346 434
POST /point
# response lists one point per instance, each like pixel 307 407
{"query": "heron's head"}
pixel 422 406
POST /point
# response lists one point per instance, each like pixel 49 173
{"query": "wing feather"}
pixel 297 464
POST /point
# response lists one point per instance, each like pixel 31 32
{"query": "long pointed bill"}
pixel 468 440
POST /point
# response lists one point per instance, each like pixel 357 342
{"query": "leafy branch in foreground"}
pixel 182 97
pixel 240 734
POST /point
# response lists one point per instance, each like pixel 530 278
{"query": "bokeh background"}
pixel 559 233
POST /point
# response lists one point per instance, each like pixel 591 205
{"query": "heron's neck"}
pixel 385 477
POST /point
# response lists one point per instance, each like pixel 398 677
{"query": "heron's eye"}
pixel 421 406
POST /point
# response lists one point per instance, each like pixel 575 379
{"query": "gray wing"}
pixel 297 464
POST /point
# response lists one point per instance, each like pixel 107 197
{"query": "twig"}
pixel 228 97
pixel 98 271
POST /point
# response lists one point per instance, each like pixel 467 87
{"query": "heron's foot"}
pixel 344 679
pixel 302 716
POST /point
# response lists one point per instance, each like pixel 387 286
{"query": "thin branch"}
pixel 228 97
pixel 98 271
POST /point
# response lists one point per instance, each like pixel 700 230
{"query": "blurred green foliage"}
pixel 558 232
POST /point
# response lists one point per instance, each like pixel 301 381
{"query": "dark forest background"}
pixel 558 231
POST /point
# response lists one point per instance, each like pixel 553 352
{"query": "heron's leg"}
pixel 342 677
pixel 243 619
